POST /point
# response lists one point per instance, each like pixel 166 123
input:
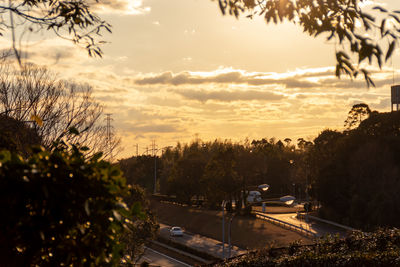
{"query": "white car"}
pixel 176 231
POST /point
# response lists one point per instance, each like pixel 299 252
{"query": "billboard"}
pixel 395 94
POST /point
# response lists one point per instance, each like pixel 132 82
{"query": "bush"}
pixel 379 248
pixel 17 136
pixel 60 207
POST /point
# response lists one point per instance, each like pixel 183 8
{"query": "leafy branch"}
pixel 364 35
pixel 72 20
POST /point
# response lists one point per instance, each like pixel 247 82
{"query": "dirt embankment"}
pixel 247 233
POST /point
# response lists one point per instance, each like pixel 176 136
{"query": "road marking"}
pixel 168 257
pixel 146 259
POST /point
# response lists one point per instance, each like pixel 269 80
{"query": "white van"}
pixel 254 196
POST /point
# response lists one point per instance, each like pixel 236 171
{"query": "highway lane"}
pixel 155 258
pixel 201 243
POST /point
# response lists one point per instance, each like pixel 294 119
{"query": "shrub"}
pixel 379 248
pixel 60 207
pixel 17 136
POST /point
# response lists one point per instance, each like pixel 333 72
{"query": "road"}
pixel 155 258
pixel 201 243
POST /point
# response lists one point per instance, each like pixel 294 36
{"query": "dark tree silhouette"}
pixel 357 114
pixel 356 173
pixel 17 136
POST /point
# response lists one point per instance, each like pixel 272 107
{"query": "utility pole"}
pixel 109 133
pixel 153 146
pixel 137 150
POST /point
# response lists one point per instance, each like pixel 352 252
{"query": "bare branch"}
pixel 35 91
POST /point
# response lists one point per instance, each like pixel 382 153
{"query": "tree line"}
pixel 222 170
pixel 353 175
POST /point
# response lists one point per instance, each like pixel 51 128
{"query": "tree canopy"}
pixel 360 36
pixel 356 115
pixel 210 172
pixel 64 208
pixel 16 136
pixel 355 173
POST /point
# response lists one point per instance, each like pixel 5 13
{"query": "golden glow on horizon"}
pixel 176 68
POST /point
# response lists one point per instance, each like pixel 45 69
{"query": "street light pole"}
pixel 288 200
pixel 263 187
pixel 229 236
pixel 155 173
pixel 223 229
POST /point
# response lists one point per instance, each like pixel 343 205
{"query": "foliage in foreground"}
pixel 61 207
pixel 71 20
pixel 364 34
pixel 17 136
pixel 379 248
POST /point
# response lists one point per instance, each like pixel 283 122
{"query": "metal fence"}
pixel 285 224
pixel 340 226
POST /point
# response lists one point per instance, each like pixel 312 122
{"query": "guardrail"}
pixel 179 251
pixel 305 216
pixel 285 224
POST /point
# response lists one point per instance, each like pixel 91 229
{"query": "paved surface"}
pixel 201 243
pixel 319 229
pixel 280 209
pixel 247 232
pixel 286 214
pixel 155 258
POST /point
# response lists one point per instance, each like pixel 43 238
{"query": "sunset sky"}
pixel 177 69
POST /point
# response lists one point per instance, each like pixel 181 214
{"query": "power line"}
pixel 153 147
